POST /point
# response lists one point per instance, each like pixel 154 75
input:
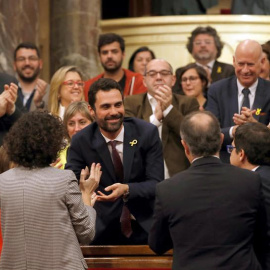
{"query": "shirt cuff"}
pixel 230 132
pixel 154 121
pixel 166 112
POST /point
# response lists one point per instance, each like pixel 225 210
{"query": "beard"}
pixel 204 56
pixel 31 78
pixel 112 68
pixel 110 127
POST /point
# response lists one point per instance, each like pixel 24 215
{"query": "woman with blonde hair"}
pixel 66 86
pixel 77 116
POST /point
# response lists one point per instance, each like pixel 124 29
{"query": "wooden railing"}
pixel 125 257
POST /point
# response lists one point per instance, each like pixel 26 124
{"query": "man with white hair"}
pixel 242 98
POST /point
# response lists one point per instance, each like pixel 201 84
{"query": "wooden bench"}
pixel 125 257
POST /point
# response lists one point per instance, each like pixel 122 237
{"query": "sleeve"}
pixel 189 105
pixel 75 161
pixel 159 238
pixel 83 217
pixel 213 107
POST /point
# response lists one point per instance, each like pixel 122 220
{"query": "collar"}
pixel 152 100
pixel 61 111
pixel 255 169
pixel 209 65
pixel 252 88
pixel 203 157
pixel 119 138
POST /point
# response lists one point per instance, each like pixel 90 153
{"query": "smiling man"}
pixel 242 98
pixel 165 110
pixel 130 153
pixel 111 49
pixel 33 91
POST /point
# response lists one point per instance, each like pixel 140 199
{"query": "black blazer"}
pixel 143 169
pixel 220 71
pixel 210 214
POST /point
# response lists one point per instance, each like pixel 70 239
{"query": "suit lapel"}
pixel 233 99
pixel 99 144
pixel 259 100
pixel 129 149
pixel 146 109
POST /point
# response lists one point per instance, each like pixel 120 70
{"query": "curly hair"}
pixel 35 140
pixel 209 31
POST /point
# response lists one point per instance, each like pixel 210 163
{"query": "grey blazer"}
pixel 44 220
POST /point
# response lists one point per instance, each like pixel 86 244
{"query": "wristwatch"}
pixel 126 195
pixel 41 104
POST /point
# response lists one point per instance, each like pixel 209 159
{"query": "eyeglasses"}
pixel 192 79
pixel 71 83
pixel 162 73
pixel 30 59
pixel 200 42
pixel 230 148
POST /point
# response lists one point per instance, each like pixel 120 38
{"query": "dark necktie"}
pixel 117 163
pixel 125 219
pixel 246 103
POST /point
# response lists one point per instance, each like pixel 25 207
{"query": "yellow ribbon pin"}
pixel 219 70
pixel 258 111
pixel 133 142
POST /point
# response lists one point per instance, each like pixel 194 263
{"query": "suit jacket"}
pixel 223 103
pixel 6 121
pixel 43 220
pixel 133 85
pixel 220 71
pixel 210 214
pixel 264 172
pixel 173 151
pixel 143 169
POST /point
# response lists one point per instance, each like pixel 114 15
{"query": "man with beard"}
pixel 33 92
pixel 165 110
pixel 205 46
pixel 130 153
pixel 111 49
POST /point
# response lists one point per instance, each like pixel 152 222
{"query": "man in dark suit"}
pixel 250 150
pixel 211 213
pixel 10 106
pixel 205 46
pixel 242 98
pixel 130 170
pixel 164 109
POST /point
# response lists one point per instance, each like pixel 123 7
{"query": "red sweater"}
pixel 133 85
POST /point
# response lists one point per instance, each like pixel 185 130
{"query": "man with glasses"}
pixel 33 91
pixel 250 150
pixel 165 110
pixel 205 46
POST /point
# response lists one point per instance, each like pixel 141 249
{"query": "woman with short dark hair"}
pixel 45 216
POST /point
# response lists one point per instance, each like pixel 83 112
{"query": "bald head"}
pixel 249 47
pixel 201 132
pixel 247 62
pixel 157 62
